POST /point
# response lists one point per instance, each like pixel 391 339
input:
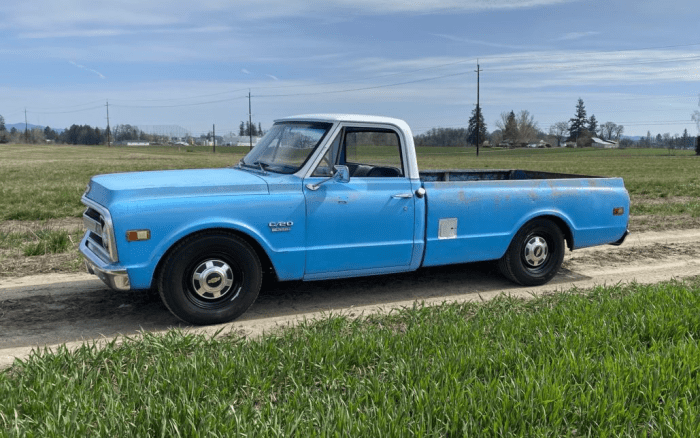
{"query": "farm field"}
pixel 40 187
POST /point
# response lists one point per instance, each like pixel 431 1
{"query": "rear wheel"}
pixel 535 254
pixel 210 278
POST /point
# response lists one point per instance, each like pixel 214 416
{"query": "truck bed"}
pixel 492 175
pixel 484 208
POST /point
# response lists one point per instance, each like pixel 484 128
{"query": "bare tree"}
pixel 559 130
pixel 607 130
pixel 36 135
pixel 619 129
pixel 527 127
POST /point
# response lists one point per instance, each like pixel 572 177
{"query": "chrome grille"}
pixel 99 236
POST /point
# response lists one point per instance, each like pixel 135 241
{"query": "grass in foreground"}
pixel 616 361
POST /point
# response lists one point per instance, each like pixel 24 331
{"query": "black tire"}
pixel 535 254
pixel 210 278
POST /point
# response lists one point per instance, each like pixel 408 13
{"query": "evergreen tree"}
pixel 241 129
pixel 49 133
pixel 4 136
pixel 593 125
pixel 511 129
pixel 472 130
pixel 579 122
pixel 685 139
pixel 260 131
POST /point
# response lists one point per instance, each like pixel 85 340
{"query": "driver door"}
pixel 364 226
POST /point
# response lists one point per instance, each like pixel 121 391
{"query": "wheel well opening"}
pixel 559 222
pixel 265 262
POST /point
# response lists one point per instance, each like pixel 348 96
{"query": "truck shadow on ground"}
pixel 94 311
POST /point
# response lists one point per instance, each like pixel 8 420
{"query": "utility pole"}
pixel 109 135
pixel 478 110
pixel 250 122
pixel 213 128
pixel 26 130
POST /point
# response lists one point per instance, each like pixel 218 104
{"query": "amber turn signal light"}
pixel 135 235
pixel 618 211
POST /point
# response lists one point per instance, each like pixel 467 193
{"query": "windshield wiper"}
pixel 258 165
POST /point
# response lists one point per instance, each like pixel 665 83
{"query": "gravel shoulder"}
pixel 48 310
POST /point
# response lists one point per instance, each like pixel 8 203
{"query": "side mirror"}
pixel 341 175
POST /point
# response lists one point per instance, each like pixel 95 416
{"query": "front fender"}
pixel 182 218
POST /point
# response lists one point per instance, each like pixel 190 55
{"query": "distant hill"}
pixel 20 127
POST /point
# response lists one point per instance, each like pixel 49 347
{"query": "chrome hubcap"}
pixel 212 279
pixel 536 251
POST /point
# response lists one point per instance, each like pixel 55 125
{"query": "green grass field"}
pixel 43 182
pixel 615 361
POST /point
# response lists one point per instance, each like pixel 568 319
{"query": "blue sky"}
pixel 191 64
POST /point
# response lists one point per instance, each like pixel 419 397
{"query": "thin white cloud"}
pixel 245 71
pixel 269 8
pixel 97 33
pixel 479 42
pixel 272 77
pixel 88 69
pixel 577 35
pixel 33 17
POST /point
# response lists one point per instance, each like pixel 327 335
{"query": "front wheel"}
pixel 210 278
pixel 535 254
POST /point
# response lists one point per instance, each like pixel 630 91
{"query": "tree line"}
pixel 88 135
pixel 512 130
pixel 520 129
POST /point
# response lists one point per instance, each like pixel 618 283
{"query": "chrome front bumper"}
pixel 117 279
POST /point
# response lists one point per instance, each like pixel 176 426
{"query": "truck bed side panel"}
pixel 487 214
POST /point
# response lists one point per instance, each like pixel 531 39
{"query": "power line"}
pixel 182 98
pixel 182 105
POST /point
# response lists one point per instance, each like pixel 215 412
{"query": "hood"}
pixel 115 187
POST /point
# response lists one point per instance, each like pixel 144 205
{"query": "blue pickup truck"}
pixel 333 196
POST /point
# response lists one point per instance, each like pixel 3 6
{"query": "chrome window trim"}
pixel 308 168
pixel 107 230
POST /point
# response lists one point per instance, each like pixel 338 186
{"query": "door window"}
pixel 368 153
pixel 372 153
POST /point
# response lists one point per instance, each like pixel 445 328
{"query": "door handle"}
pixel 402 196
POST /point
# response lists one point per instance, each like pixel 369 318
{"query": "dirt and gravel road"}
pixel 65 308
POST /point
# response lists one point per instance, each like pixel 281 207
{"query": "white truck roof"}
pixel 355 118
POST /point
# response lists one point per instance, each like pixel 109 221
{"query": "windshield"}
pixel 286 147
